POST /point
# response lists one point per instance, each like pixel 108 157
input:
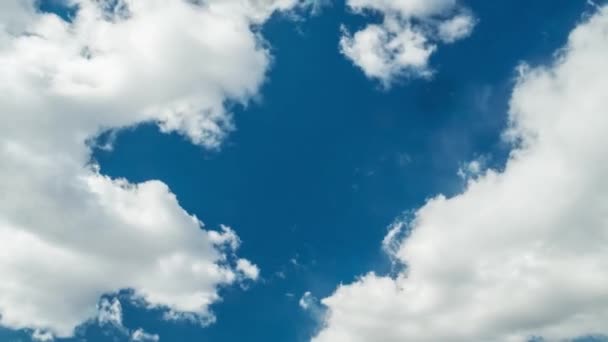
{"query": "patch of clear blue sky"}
pixel 326 160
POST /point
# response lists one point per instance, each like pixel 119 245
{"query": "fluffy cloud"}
pixel 110 312
pixel 404 42
pixel 70 234
pixel 307 301
pixel 110 315
pixel 141 335
pixel 248 269
pixel 456 28
pixel 521 252
pixel 14 14
pixel 42 336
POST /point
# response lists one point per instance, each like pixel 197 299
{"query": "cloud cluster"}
pixel 69 234
pixel 520 253
pixel 403 43
pixel 110 315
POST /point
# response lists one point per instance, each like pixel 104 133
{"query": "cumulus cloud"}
pixel 307 300
pixel 110 315
pixel 521 252
pixel 110 312
pixel 456 28
pixel 409 34
pixel 473 168
pixel 250 270
pixel 110 319
pixel 42 336
pixel 70 234
pixel 140 335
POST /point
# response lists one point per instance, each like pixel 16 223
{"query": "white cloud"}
pixel 406 8
pixel 42 336
pixel 14 14
pixel 69 234
pixel 473 168
pixel 141 335
pixel 392 241
pixel 110 312
pixel 521 252
pixel 403 43
pixel 306 301
pixel 109 316
pixel 248 269
pixel 456 28
pixel 316 6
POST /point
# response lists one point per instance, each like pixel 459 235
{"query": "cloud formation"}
pixel 520 253
pixel 401 46
pixel 110 315
pixel 70 234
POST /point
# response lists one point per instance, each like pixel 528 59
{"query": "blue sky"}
pixel 323 159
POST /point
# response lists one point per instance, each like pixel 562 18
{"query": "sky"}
pixel 294 171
